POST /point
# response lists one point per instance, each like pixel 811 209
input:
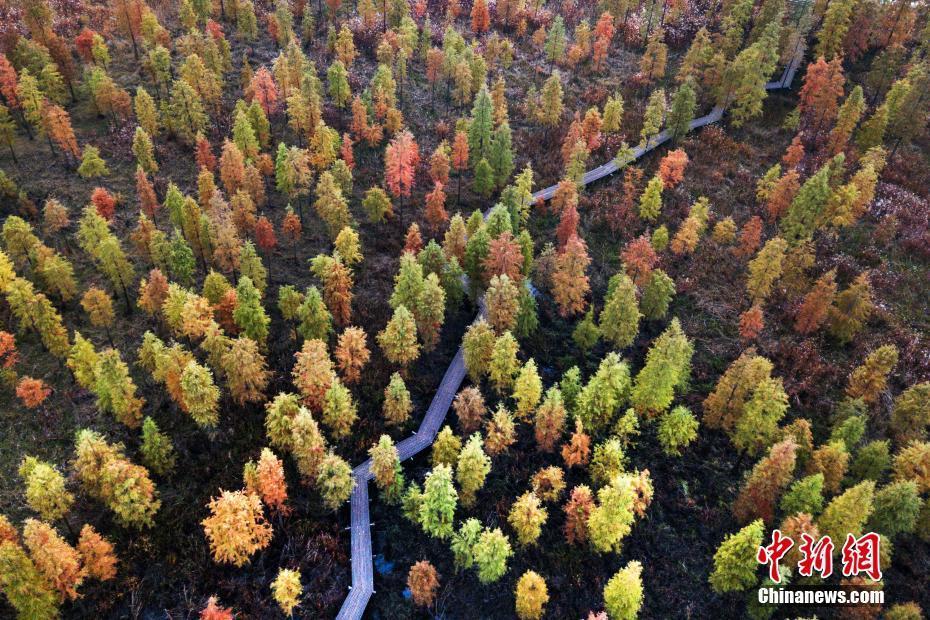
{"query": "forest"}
pixel 464 308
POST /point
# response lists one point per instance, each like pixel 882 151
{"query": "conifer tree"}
pixel 735 560
pixel 765 269
pixel 472 467
pixel 478 347
pixel 527 516
pixel 397 405
pixel 677 429
pixel 532 596
pixel 437 509
pixel 851 309
pixel 623 594
pixel 107 475
pixel 848 513
pixel 45 489
pixel 386 469
pixel 619 321
pixel 398 339
pixel 335 481
pixel 491 552
pixel 667 368
pixel 423 581
pixel 870 379
pixel 236 527
pixel 157 451
pixel 446 447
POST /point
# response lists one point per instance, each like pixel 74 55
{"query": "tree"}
pixel 677 429
pixel 823 86
pixel 352 353
pixel 446 447
pixel 577 511
pixel 478 347
pixel 549 421
pixel 848 513
pixel 769 478
pixel 735 560
pixel 481 127
pixel 236 527
pixel 681 112
pixel 667 367
pixel 501 432
pixel 653 116
pixel 551 106
pixel 313 373
pixel 836 22
pixel 331 204
pixel 397 405
pixel 339 410
pixel 527 390
pixel 335 481
pixel 813 310
pixel 110 477
pixel 912 462
pixel 423 581
pixel 765 269
pixel 157 450
pixel 910 414
pixel 45 489
pixel 491 552
pixel 287 589
pixel 92 165
pixel 650 203
pixel 437 508
pixel 97 556
pixel 27 589
pixel 895 509
pixel 652 64
pixel 472 467
pixel 400 161
pixel 386 469
pixel 569 282
pixel 115 389
pixel 851 309
pixel 555 41
pixel 503 365
pixel 870 379
pixel 527 517
pixel 623 594
pixel 266 479
pixel 186 116
pixel 398 339
pixel 619 321
pixel 657 294
pixel 612 518
pixel 804 215
pixel 480 18
pixel 502 299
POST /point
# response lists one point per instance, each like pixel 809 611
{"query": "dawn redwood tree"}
pixel 769 478
pixel 471 468
pixel 570 281
pixel 531 596
pixel 236 527
pixel 386 469
pixel 735 560
pixel 527 516
pixel 491 552
pixel 423 581
pixel 619 320
pixel 869 380
pixel 401 157
pixel 623 593
pixel 398 339
pixel 437 509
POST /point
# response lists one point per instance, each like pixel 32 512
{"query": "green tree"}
pixel 681 112
pixel 491 552
pixel 472 467
pixel 157 450
pixel 437 509
pixel 667 368
pixel 619 321
pixel 623 593
pixel 735 560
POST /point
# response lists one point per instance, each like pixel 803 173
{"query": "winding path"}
pixel 362 574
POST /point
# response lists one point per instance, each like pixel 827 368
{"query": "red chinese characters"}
pixel 859 555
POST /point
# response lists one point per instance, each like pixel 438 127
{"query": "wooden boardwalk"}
pixel 362 568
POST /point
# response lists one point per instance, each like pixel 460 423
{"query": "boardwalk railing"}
pixel 362 572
